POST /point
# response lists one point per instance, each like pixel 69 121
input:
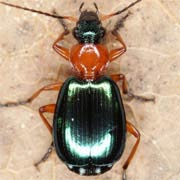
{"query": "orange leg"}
pixel 46 109
pixel 64 52
pixel 115 53
pixel 119 51
pixel 50 108
pixel 121 77
pixel 50 87
pixel 131 129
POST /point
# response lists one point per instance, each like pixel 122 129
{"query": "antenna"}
pixel 39 12
pixel 97 10
pixel 81 6
pixel 119 12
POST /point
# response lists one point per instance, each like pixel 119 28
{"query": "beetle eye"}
pixel 103 31
pixel 75 33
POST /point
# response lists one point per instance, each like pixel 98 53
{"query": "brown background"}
pixel 151 65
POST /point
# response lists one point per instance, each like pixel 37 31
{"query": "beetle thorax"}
pixel 89 60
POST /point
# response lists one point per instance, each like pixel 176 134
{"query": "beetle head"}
pixel 89 27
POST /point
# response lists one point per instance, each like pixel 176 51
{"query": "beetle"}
pixel 89 125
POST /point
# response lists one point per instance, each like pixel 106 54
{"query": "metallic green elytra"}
pixel 89 125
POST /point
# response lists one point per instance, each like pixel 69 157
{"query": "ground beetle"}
pixel 89 126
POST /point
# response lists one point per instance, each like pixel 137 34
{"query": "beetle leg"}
pixel 50 108
pixel 131 129
pixel 61 21
pixel 120 23
pixel 64 52
pixel 121 77
pixel 46 156
pixel 115 53
pixel 49 87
